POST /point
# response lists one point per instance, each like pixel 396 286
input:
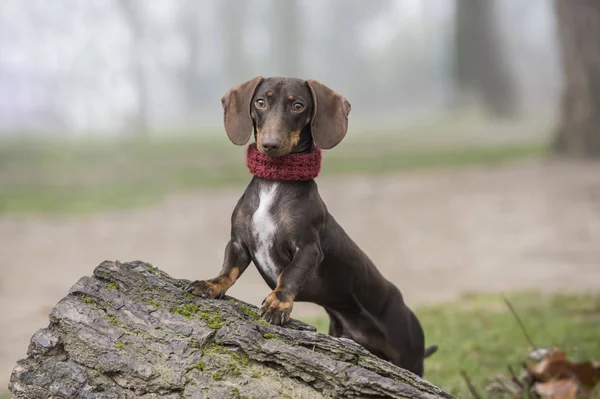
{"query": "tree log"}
pixel 131 331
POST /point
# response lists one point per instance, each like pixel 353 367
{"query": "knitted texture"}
pixel 287 167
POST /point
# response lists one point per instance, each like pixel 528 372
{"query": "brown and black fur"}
pixel 315 260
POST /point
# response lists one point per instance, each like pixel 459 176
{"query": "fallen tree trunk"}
pixel 131 331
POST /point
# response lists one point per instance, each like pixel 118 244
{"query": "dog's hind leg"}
pixel 335 325
pixel 360 326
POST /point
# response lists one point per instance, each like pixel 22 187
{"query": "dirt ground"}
pixel 437 235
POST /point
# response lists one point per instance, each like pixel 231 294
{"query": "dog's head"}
pixel 286 115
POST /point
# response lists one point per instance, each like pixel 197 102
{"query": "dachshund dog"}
pixel 282 225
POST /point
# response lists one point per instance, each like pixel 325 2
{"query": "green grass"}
pixel 479 334
pixel 80 177
pixel 429 159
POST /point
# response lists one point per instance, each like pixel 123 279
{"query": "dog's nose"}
pixel 271 144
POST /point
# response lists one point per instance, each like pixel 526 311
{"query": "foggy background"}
pixel 112 145
pixel 120 68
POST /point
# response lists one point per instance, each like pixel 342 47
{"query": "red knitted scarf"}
pixel 287 167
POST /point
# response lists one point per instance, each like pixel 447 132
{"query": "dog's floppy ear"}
pixel 236 110
pixel 330 115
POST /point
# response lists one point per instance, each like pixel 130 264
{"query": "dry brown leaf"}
pixel 587 373
pixel 549 367
pixel 565 388
pixel 555 366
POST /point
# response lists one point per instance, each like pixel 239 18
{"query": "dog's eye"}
pixel 260 103
pixel 298 107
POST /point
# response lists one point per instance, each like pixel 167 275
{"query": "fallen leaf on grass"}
pixel 564 388
pixel 556 366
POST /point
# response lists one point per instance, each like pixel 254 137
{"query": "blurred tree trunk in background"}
pixel 346 61
pixel 578 26
pixel 342 41
pixel 133 17
pixel 234 59
pixel 285 37
pixel 189 79
pixel 479 64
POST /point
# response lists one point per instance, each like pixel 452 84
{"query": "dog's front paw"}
pixel 277 308
pixel 205 289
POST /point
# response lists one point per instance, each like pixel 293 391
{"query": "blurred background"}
pixel 469 166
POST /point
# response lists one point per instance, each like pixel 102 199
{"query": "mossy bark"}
pixel 131 331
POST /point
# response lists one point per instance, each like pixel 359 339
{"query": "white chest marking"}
pixel 264 231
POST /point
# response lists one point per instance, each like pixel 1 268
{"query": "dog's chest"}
pixel 264 227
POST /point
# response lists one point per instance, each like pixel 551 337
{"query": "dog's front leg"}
pixel 278 305
pixel 236 261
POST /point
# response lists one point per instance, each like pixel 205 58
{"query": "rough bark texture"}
pixel 131 331
pixel 578 24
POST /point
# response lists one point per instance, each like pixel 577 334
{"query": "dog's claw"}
pixel 275 311
pixel 204 289
pixel 274 315
pixel 266 314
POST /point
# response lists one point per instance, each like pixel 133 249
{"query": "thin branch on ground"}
pixel 513 376
pixel 518 319
pixel 471 387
